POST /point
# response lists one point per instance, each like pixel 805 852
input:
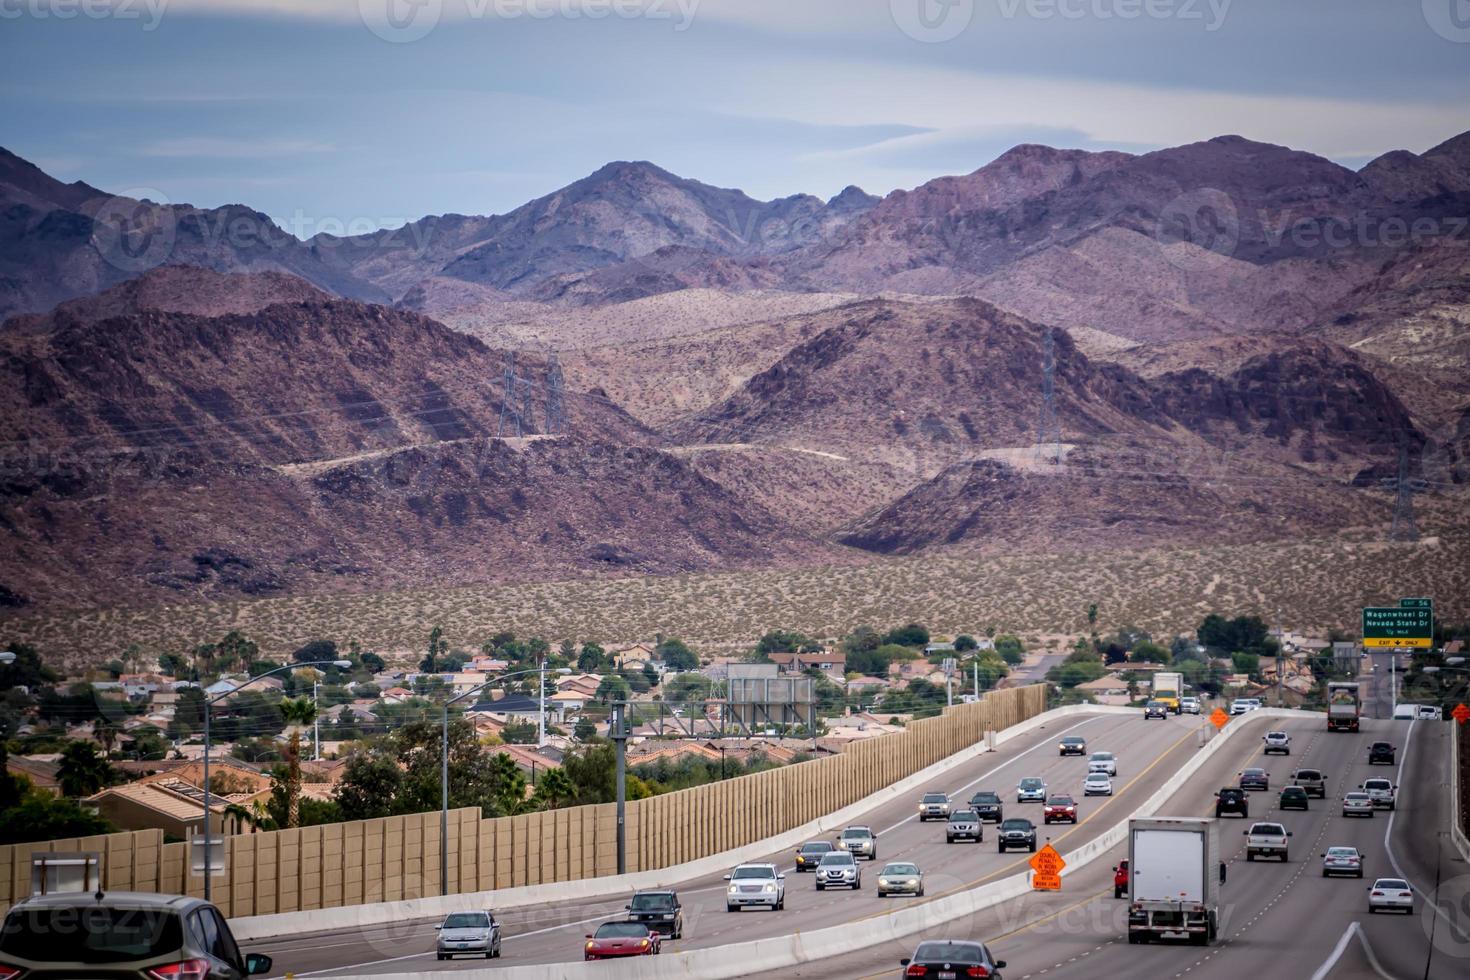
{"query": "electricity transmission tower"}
pixel 526 416
pixel 556 418
pixel 1049 430
pixel 508 411
pixel 1405 525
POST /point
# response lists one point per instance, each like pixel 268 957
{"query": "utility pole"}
pixel 316 722
pixel 618 732
pixel 541 714
pixel 977 678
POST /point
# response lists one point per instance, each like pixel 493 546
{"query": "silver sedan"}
pixel 900 878
pixel 1342 861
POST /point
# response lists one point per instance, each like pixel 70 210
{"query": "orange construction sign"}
pixel 1461 713
pixel 1219 718
pixel 1047 865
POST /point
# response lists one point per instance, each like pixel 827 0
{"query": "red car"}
pixel 1059 808
pixel 1120 879
pixel 621 939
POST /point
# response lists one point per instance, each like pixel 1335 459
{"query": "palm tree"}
pixel 82 771
pixel 299 713
pixel 260 817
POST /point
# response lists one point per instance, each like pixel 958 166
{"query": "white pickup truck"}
pixel 1381 792
pixel 1266 840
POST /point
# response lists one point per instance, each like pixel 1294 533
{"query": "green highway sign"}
pixel 1398 626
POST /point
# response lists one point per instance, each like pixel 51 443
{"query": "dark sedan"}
pixel 809 855
pixel 1253 779
pixel 949 959
pixel 615 939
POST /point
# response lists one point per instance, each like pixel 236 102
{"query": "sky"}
pixel 334 115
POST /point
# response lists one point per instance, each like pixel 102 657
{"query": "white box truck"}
pixel 1174 875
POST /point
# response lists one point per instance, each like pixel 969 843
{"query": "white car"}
pixel 1381 792
pixel 1357 804
pixel 1103 762
pixel 1277 742
pixel 755 884
pixel 1429 712
pixel 1032 789
pixel 1240 706
pixel 1097 784
pixel 1189 706
pixel 1391 894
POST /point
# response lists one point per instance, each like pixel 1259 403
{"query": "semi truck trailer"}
pixel 1174 874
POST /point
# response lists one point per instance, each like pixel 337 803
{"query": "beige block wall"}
pixel 397 858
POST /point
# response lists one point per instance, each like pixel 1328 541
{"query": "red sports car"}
pixel 621 939
pixel 1059 808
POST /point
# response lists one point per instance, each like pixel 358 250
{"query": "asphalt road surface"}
pixel 1148 752
pixel 1277 920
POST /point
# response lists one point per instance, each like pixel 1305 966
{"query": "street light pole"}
pixel 618 732
pixel 444 762
pixel 541 705
pixel 209 703
pixel 316 723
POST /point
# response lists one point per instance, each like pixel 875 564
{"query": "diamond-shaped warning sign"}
pixel 1047 865
pixel 1219 718
pixel 1461 713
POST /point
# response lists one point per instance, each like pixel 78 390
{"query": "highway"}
pixel 1277 920
pixel 1148 753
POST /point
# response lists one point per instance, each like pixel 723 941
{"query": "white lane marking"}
pixel 1353 929
pixel 1388 846
pixel 413 956
pixel 984 776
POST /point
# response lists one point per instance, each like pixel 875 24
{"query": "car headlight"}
pixel 589 944
pixel 734 889
pixel 883 882
pixel 643 944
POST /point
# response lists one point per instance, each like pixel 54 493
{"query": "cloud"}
pixel 231 149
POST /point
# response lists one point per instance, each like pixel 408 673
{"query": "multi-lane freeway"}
pixel 1148 752
pixel 1277 920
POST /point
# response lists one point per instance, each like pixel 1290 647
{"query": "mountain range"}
pixel 1241 341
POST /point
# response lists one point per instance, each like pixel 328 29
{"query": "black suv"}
pixel 1018 832
pixel 1380 752
pixel 659 910
pixel 1231 799
pixel 121 934
pixel 987 805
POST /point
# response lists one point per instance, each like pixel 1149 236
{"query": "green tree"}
pixel 173 665
pixel 39 816
pixel 554 789
pixel 584 729
pixel 676 655
pixel 650 674
pixel 519 733
pixel 509 784
pixel 371 783
pixel 636 680
pixel 235 651
pixel 1146 652
pixel 782 641
pixel 81 771
pixel 864 639
pixel 592 659
pixel 1092 615
pixel 438 647
pixel 912 635
pixel 612 688
pixel 298 713
pixel 373 663
pixel 27 670
pixel 965 642
pixel 592 770
pixel 1010 648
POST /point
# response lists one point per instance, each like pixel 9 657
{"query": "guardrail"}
pixel 782 952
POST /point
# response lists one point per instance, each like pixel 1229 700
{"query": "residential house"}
pixel 798 663
pixel 583 684
pixel 397 695
pixel 41 773
pixel 224 770
pixel 513 706
pixel 175 807
pixel 1108 689
pixel 567 703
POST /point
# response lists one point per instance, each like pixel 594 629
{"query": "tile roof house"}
pixel 796 663
pixel 42 774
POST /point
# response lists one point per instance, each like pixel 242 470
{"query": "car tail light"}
pixel 977 971
pixel 916 970
pixel 8 972
pixel 1378 894
pixel 183 970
